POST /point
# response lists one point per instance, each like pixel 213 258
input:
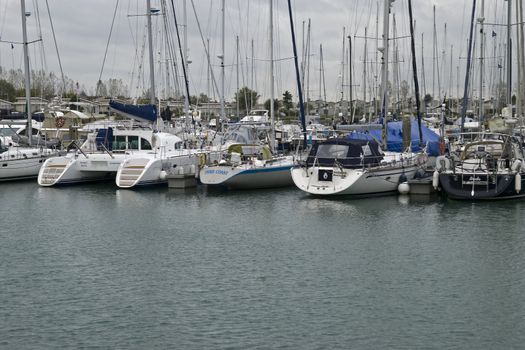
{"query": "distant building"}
pixel 37 104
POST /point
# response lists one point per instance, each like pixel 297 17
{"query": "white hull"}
pixel 22 163
pixel 151 169
pixel 358 182
pixel 249 176
pixel 73 169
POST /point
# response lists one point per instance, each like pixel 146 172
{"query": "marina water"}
pixel 93 266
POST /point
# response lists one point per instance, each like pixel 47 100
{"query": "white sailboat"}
pixel 19 161
pixel 346 166
pixel 252 165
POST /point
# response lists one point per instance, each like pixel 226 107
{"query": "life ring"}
pixel 59 122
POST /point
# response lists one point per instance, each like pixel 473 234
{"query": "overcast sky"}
pixel 82 29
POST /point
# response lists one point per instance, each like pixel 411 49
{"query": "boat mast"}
pixel 384 69
pixel 185 63
pixel 272 117
pixel 223 114
pixel 364 70
pixel 414 69
pixel 350 96
pixel 151 62
pixel 509 58
pixel 27 72
pixel 237 49
pixel 481 20
pixel 467 75
pixel 297 73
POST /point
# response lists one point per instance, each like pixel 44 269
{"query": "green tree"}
pixel 246 98
pixel 7 91
pixel 287 100
pixel 276 104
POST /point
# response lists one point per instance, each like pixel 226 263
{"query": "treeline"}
pixel 48 84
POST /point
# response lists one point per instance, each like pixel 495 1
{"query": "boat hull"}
pixel 247 177
pixel 481 186
pixel 329 181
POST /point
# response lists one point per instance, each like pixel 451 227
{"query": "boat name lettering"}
pixel 217 171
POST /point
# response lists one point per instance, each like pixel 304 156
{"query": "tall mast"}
pixel 509 57
pixel 185 62
pixel 343 70
pixel 364 68
pixel 151 62
pixel 467 75
pixel 481 20
pixel 272 117
pixel 237 47
pixel 434 53
pixel 297 74
pixel 223 114
pixel 350 95
pixel 414 69
pixel 384 69
pixel 27 73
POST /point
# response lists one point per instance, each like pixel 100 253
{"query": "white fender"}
pixel 517 183
pixel 403 188
pixel 516 166
pixel 442 163
pixel 163 175
pixel 435 179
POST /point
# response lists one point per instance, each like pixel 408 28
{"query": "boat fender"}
pixel 517 183
pixel 180 171
pixel 192 169
pixel 202 159
pixel 403 188
pixel 442 163
pixel 435 179
pixel 516 166
pixel 163 175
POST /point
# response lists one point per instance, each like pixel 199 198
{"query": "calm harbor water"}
pixel 97 267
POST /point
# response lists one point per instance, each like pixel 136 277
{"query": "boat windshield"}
pixel 7 131
pixel 332 151
pixel 479 149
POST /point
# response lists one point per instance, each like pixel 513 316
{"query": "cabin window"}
pixel 133 142
pixel 120 143
pixel 332 151
pixel 144 144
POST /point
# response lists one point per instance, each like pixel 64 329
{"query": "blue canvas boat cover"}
pixel 143 113
pixel 395 137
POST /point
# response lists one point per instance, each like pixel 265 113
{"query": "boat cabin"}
pixel 346 153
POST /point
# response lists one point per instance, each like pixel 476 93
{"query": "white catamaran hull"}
pixel 151 169
pixel 359 182
pixel 73 169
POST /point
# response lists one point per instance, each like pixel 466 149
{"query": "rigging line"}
pixel 107 46
pixel 56 48
pixel 205 48
pixel 183 60
pixel 39 25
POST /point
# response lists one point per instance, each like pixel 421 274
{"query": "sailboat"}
pixel 19 161
pixel 484 165
pixel 252 165
pixel 356 165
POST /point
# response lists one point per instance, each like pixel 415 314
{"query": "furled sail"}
pixel 143 113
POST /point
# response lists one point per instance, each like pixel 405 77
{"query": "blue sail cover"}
pixel 395 137
pixel 143 113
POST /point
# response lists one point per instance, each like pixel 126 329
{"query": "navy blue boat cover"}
pixel 395 137
pixel 147 113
